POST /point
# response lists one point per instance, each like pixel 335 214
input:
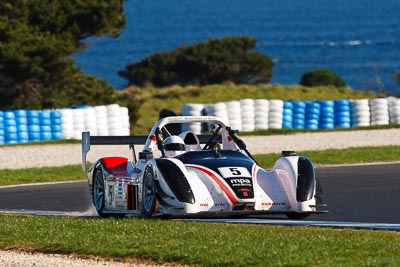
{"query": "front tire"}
pixel 149 192
pixel 99 192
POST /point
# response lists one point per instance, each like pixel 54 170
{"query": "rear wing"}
pixel 88 140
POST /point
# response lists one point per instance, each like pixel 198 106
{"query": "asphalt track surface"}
pixel 358 193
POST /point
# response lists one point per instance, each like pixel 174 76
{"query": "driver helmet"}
pixel 174 146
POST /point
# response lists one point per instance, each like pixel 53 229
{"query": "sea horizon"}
pixel 358 40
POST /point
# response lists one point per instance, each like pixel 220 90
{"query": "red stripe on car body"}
pixel 220 184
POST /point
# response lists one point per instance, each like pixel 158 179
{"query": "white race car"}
pixel 188 174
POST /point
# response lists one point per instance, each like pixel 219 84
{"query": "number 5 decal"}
pixel 235 171
pixel 229 172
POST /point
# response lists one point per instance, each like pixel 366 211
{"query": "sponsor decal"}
pixel 240 182
pixel 273 204
pixel 234 172
pixel 245 191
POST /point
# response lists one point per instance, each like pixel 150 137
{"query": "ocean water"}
pixel 358 39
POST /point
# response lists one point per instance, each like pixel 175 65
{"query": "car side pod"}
pixel 176 180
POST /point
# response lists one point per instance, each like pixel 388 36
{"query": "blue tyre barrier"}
pixel 44 115
pixel 327 119
pixel 11 136
pixel 56 128
pixel 8 115
pixel 45 128
pixel 45 136
pixel 21 120
pixel 287 124
pixel 56 135
pixel 33 124
pixel 312 115
pixel 34 128
pixel 19 113
pixel 55 115
pixel 32 114
pixel 34 136
pixel 23 137
pixel 45 122
pixel 342 114
pixel 298 123
pixel 10 129
pixel 288 105
pixel 22 128
pixel 9 122
pixel 299 114
pixel 343 125
pixel 287 115
pixel 326 125
pixel 327 114
pixel 56 121
pixel 299 105
pixel 311 126
pixel 33 120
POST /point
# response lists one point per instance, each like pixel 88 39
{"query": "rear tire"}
pixel 149 198
pixel 99 192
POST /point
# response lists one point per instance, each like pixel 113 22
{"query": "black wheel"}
pixel 297 216
pixel 148 192
pixel 99 192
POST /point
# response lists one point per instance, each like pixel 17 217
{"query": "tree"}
pixel 215 61
pixel 321 77
pixel 37 38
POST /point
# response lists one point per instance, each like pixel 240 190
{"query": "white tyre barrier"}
pixel 233 108
pixel 193 110
pixel 379 111
pixel 275 114
pixel 247 114
pixel 394 110
pixel 360 113
pixel 261 109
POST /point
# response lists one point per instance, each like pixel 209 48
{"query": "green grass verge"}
pixel 331 156
pixel 341 156
pixel 205 244
pixel 41 175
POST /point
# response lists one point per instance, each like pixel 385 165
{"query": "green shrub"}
pixel 212 62
pixel 321 77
